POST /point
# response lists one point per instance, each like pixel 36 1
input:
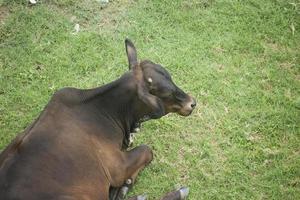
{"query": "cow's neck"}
pixel 118 102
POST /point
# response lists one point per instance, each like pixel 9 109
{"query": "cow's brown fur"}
pixel 76 149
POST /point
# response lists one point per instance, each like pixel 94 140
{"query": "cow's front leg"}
pixel 134 161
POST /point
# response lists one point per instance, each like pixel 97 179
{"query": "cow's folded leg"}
pixel 114 193
pixel 136 160
pixel 133 162
pixel 119 193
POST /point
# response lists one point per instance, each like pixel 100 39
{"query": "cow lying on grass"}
pixel 76 148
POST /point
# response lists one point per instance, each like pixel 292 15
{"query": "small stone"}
pixel 77 28
pixel 142 197
pixel 32 1
pixel 103 1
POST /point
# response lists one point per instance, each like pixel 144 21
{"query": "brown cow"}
pixel 76 149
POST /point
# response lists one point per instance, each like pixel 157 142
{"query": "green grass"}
pixel 240 59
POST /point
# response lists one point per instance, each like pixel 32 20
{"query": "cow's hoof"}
pixel 124 191
pixel 184 192
pixel 142 197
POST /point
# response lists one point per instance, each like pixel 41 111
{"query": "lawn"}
pixel 239 59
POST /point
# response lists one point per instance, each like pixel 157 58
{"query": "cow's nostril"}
pixel 193 105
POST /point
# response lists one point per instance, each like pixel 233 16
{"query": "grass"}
pixel 240 59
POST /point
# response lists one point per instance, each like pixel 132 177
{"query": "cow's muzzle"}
pixel 187 107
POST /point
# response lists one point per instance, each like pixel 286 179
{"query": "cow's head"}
pixel 156 88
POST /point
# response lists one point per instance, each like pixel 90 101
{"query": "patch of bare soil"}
pixel 107 17
pixel 4 12
pixel 114 14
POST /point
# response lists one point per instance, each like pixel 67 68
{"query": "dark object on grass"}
pixel 76 148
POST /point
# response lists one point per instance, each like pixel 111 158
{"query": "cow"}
pixel 77 148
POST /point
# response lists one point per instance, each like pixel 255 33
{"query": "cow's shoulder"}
pixel 13 147
pixel 10 149
pixel 67 95
pixel 59 98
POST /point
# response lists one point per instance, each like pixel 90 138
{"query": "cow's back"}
pixel 49 160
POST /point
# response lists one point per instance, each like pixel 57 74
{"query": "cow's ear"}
pixel 131 53
pixel 154 103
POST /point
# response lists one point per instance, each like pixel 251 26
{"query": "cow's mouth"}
pixel 188 107
pixel 185 112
